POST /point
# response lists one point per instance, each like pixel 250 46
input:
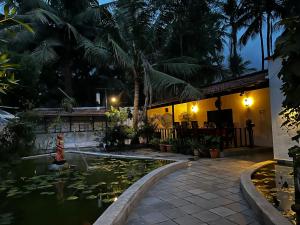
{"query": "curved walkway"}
pixel 207 193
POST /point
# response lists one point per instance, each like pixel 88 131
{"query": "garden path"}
pixel 206 193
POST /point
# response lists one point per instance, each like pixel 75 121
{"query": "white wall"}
pixel 281 136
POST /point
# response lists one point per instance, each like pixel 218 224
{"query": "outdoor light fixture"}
pixel 195 108
pixel 248 102
pixel 113 99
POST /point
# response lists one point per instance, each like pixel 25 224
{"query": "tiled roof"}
pixel 248 82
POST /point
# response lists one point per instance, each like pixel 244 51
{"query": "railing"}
pixel 231 137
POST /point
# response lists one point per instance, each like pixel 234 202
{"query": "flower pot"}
pixel 214 153
pixel 128 141
pixel 168 148
pixel 162 147
pixel 142 140
pixel 196 152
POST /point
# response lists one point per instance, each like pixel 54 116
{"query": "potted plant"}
pixel 194 145
pixel 213 143
pixel 129 132
pixel 162 146
pixel 169 145
pixel 154 142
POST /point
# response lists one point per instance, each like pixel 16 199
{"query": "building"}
pixel 230 104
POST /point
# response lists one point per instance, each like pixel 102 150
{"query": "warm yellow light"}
pixel 248 102
pixel 195 108
pixel 113 99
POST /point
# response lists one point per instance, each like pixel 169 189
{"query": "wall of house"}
pixel 259 112
pixel 281 136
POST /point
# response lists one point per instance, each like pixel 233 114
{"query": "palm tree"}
pixel 64 30
pixel 254 17
pixel 232 13
pixel 133 45
pixel 239 67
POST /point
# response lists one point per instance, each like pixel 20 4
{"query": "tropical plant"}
pixel 64 31
pixel 254 17
pixel 239 67
pixel 133 44
pixel 6 76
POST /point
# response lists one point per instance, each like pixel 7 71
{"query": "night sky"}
pixel 249 52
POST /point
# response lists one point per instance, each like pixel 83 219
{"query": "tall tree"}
pixel 64 30
pixel 134 45
pixel 254 17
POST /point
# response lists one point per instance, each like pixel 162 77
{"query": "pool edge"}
pixel 264 210
pixel 118 212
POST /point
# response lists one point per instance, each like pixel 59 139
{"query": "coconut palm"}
pixel 238 66
pixel 133 44
pixel 254 18
pixel 64 31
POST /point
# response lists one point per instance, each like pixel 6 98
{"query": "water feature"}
pixel 276 183
pixel 30 194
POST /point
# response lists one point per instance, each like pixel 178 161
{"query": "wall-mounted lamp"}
pixel 248 102
pixel 113 99
pixel 195 108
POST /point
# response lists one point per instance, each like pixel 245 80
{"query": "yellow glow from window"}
pixel 248 102
pixel 195 108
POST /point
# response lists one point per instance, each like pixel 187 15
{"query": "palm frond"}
pixel 161 82
pixel 121 56
pixel 45 53
pixel 43 16
pixel 95 53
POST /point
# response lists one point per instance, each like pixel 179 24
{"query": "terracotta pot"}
pixel 196 152
pixel 168 148
pixel 214 153
pixel 162 147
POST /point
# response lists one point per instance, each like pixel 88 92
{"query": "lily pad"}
pixel 90 197
pixel 72 198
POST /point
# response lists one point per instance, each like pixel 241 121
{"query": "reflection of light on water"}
pixel 100 201
pixel 115 199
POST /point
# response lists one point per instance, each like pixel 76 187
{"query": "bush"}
pixel 117 134
pixel 17 138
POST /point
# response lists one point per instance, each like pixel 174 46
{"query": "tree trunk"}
pixel 136 100
pixel 234 41
pixel 269 35
pixel 262 46
pixel 67 72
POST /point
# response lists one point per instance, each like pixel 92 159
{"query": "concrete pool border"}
pixel 264 210
pixel 118 212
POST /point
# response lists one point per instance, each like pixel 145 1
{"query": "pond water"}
pixel 30 194
pixel 276 183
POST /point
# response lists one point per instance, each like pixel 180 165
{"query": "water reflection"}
pixel 276 183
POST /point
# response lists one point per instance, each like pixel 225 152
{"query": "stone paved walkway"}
pixel 207 193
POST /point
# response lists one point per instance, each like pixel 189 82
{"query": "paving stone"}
pixel 192 208
pixel 155 217
pixel 240 219
pixel 174 213
pixel 137 221
pixel 169 222
pixel 237 207
pixel 206 216
pixel 222 211
pixel 178 202
pixel 150 201
pixel 221 221
pixel 196 191
pixel 188 220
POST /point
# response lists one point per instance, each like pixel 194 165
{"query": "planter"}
pixel 142 140
pixel 127 141
pixel 214 153
pixel 168 148
pixel 162 147
pixel 196 152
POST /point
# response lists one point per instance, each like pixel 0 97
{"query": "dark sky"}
pixel 249 52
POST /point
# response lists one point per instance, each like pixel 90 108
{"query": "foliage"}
pixel 154 142
pixel 117 134
pixel 288 48
pixel 116 116
pixel 147 130
pixel 17 138
pixel 239 67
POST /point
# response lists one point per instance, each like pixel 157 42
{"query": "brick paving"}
pixel 207 193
